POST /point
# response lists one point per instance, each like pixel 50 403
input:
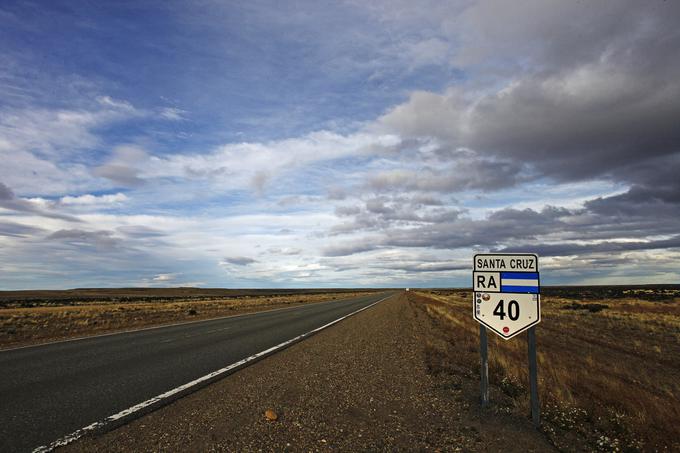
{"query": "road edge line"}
pixel 167 397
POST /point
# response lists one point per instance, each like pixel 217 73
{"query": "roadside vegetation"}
pixel 609 366
pixel 35 317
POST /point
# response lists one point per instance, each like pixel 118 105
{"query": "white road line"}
pixel 308 304
pixel 137 407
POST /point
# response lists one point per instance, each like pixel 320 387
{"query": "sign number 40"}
pixel 506 292
pixel 502 282
pixel 513 310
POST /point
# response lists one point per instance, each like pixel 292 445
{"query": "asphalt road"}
pixel 49 391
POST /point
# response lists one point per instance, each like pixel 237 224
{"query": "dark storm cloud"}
pixel 576 92
pixel 595 103
pixel 384 212
pixel 553 34
pixel 653 202
pixel 568 249
pixel 349 248
pixel 467 233
pixel 464 232
pixel 567 133
pixel 655 194
pixel 239 260
pixel 5 193
pixel 598 105
pixel 590 132
pixel 102 239
pixel 511 226
pixel 548 230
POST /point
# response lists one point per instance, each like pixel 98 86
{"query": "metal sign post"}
pixel 533 377
pixel 485 365
pixel 506 299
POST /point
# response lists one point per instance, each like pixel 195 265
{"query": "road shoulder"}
pixel 362 384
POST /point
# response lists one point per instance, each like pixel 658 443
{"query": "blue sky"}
pixel 303 144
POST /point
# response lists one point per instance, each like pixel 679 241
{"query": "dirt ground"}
pixel 365 384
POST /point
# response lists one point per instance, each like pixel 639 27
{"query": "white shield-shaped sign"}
pixel 506 291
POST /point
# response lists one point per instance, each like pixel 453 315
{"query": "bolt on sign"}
pixel 506 292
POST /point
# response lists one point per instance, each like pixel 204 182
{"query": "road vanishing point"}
pixel 50 392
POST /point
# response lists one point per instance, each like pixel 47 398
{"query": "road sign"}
pixel 506 292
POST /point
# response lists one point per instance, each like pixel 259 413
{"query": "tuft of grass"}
pixel 593 308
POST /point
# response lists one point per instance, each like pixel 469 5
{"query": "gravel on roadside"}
pixel 360 385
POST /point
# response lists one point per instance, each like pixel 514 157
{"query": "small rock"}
pixel 271 415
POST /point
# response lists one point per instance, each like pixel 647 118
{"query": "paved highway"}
pixel 52 390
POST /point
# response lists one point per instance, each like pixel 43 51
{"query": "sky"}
pixel 337 144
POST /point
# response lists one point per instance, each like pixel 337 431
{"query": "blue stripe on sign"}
pixel 519 289
pixel 520 275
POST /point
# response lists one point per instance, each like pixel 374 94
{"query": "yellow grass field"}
pixel 609 369
pixel 39 317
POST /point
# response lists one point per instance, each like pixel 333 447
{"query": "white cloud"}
pixel 124 166
pixel 254 165
pixel 55 132
pixel 90 200
pixel 430 51
pixel 43 150
pixel 116 104
pixel 536 105
pixel 173 114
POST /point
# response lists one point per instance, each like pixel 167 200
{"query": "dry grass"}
pixel 609 378
pixel 50 319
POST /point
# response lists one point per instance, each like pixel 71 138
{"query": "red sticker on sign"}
pixel 506 329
